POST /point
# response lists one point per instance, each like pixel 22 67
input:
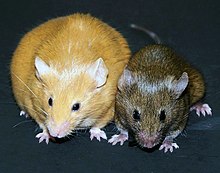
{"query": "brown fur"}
pixel 73 41
pixel 154 64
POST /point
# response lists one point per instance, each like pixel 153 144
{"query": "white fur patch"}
pixel 152 88
pixel 87 122
pixel 68 74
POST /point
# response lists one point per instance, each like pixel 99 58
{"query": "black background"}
pixel 191 27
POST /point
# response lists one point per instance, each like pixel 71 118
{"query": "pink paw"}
pixel 24 113
pixel 168 145
pixel 97 133
pixel 202 108
pixel 118 138
pixel 43 136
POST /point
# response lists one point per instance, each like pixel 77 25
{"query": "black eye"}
pixel 76 107
pixel 50 101
pixel 162 115
pixel 136 115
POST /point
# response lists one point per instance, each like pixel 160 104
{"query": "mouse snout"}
pixel 148 141
pixel 59 130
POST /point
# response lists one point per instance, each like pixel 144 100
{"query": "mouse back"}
pixel 159 62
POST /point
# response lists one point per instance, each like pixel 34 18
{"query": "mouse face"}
pixel 70 96
pixel 149 109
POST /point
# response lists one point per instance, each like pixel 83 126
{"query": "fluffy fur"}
pixel 57 60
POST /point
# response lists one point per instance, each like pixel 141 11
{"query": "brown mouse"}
pixel 156 92
pixel 64 74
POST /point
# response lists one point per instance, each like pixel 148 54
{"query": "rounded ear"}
pixel 99 72
pixel 180 85
pixel 41 67
pixel 126 78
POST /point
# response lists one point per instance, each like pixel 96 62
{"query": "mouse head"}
pixel 149 109
pixel 69 97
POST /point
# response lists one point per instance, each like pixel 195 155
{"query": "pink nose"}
pixel 146 140
pixel 59 131
pixel 149 144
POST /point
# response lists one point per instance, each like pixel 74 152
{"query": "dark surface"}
pixel 190 27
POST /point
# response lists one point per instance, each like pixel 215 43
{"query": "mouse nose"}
pixel 149 143
pixel 60 130
pixel 146 140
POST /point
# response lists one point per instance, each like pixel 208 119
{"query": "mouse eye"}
pixel 50 102
pixel 136 115
pixel 76 107
pixel 162 115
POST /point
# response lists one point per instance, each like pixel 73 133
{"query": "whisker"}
pixel 21 89
pixel 25 84
pixel 25 91
pixel 35 105
pixel 42 110
pixel 34 110
pixel 22 122
pixel 68 136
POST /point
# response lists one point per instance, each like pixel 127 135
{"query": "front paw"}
pixel 118 138
pixel 23 113
pixel 202 108
pixel 97 133
pixel 168 146
pixel 43 136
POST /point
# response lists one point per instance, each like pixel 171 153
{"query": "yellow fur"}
pixel 67 44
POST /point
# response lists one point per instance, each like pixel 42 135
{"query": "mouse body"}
pixel 64 74
pixel 155 93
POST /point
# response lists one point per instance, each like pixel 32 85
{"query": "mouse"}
pixel 156 92
pixel 64 75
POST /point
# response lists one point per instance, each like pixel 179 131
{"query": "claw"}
pixel 43 136
pixel 118 138
pixel 97 133
pixel 202 108
pixel 168 146
pixel 23 113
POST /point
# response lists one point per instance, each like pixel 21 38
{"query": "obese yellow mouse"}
pixel 64 75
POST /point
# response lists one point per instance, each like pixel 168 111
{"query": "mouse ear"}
pixel 41 67
pixel 181 84
pixel 99 72
pixel 126 78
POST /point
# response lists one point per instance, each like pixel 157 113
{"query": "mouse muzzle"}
pixel 59 130
pixel 147 141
